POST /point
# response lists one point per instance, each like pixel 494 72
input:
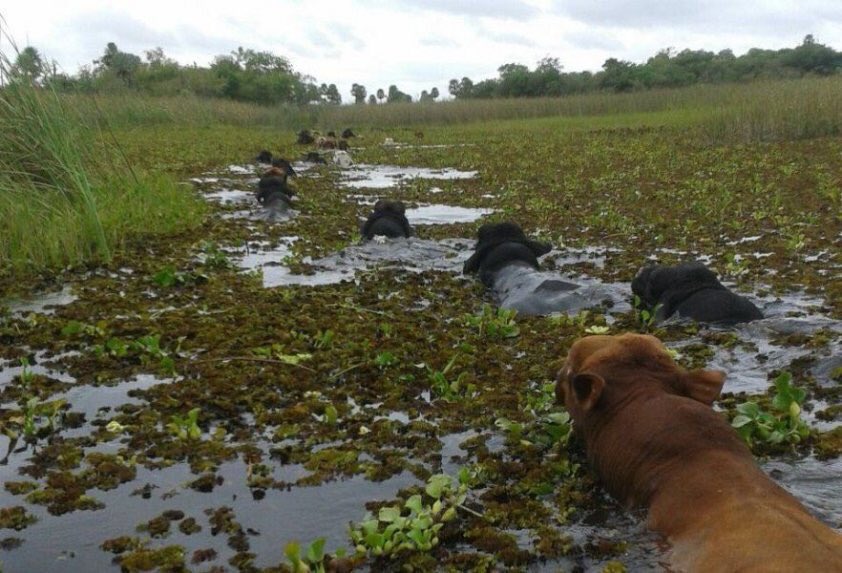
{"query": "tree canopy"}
pixel 667 68
pixel 263 77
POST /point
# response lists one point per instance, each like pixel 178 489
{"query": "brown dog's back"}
pixel 655 442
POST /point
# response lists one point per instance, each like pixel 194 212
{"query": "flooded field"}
pixel 201 404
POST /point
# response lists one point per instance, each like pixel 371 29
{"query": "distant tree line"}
pixel 265 78
pixel 666 69
pixel 244 75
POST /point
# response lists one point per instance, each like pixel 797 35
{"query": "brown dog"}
pixel 655 442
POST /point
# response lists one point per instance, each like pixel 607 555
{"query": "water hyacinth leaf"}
pixel 750 409
pixel 464 476
pixel 417 537
pixel 414 504
pixel 437 484
pixel 389 514
pixel 292 550
pixel 560 418
pixel 375 540
pixel 315 552
pixel 740 421
pixel 369 525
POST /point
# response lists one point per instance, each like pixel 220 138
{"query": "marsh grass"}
pixel 133 110
pixel 776 111
pixel 760 111
pixel 728 113
pixel 67 194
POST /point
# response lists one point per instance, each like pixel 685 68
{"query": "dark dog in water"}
pixel 387 220
pixel 273 191
pixel 691 290
pixel 315 157
pixel 305 137
pixel 502 244
pixel 507 262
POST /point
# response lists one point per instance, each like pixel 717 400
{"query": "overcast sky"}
pixel 415 44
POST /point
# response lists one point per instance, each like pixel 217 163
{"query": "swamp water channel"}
pixel 312 376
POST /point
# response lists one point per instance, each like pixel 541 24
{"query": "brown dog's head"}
pixel 600 371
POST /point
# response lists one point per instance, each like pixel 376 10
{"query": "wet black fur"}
pixel 499 245
pixel 272 189
pixel 305 137
pixel 693 291
pixel 314 157
pixel 388 219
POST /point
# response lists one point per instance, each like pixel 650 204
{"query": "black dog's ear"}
pixel 380 205
pixel 472 264
pixel 538 248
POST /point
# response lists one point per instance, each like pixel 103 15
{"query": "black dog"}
pixel 502 244
pixel 315 157
pixel 507 262
pixel 693 291
pixel 347 134
pixel 273 189
pixel 305 137
pixel 388 220
pixel 273 192
pixel 264 157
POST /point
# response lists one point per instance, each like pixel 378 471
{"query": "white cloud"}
pixel 416 44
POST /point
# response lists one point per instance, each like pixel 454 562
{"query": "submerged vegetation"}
pixel 213 422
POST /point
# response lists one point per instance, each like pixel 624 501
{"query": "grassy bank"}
pixel 762 111
pixel 68 195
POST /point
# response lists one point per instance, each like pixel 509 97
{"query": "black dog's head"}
pixel 386 206
pixel 264 156
pixel 305 137
pixel 284 166
pixel 387 219
pixel 654 281
pixel 492 235
pixel 347 133
pixel 314 157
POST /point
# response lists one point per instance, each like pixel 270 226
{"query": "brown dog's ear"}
pixel 587 388
pixel 702 385
pixel 560 379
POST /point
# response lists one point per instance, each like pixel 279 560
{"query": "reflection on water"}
pixel 45 303
pixel 364 176
pixel 444 214
pixel 70 543
pixel 816 483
